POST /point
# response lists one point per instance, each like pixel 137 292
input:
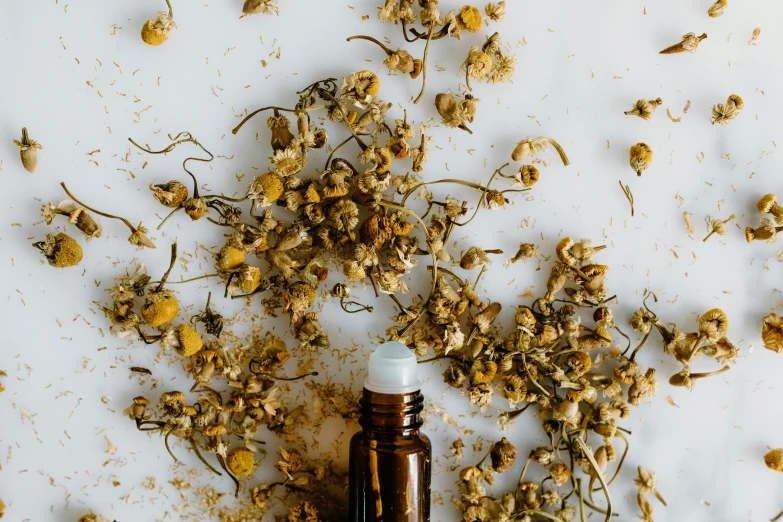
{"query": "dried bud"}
pixel 503 454
pixel 688 44
pixel 470 18
pixel 640 157
pixel 28 150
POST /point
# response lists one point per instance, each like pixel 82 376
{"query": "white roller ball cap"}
pixel 392 369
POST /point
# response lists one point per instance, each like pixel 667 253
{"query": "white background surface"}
pixel 583 65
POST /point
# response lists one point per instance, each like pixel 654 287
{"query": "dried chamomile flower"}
pixel 475 257
pixel 531 146
pixel 526 251
pixel 299 296
pixel 527 176
pixel 772 333
pixel 138 235
pixel 502 454
pixel 241 462
pixel 156 31
pixel 469 18
pixel 496 11
pixel 252 7
pixel 644 108
pixel 642 321
pixel 717 226
pixel 61 250
pixel 161 306
pixel 361 87
pixel 399 60
pixel 714 325
pixel 419 154
pixel 78 216
pixel 766 232
pixel 688 44
pixel 774 460
pixel 171 194
pixel 184 339
pixel 229 258
pixel 456 114
pixel 93 518
pixel 687 379
pixel 723 113
pixel 287 162
pixel 640 157
pixel 717 8
pixel 768 204
pixel 477 65
pixel 28 150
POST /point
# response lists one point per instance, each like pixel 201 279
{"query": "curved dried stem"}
pixel 589 454
pixel 222 463
pixel 201 457
pixel 171 266
pixel 104 214
pixel 171 10
pixel 168 216
pixel 424 65
pixel 370 39
pixel 641 345
pixel 166 442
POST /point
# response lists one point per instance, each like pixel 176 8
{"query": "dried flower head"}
pixel 475 257
pixel 28 151
pixel 688 44
pixel 772 333
pixel 156 31
pixel 640 157
pixel 171 194
pixel 502 454
pixel 768 205
pixel 496 11
pixel 528 175
pixel 774 459
pixel 526 251
pixel 531 146
pixel 92 518
pixel 470 18
pixel 241 462
pixel 252 7
pixel 644 108
pixel 361 87
pixel 454 113
pixel 159 308
pixel 717 226
pixel 714 325
pixel 61 250
pixel 717 8
pixel 723 113
pixel 477 65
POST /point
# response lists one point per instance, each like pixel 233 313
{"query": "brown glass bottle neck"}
pixel 391 411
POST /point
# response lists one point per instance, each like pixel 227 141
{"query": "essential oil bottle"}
pixel 390 459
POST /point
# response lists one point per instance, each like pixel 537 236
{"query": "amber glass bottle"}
pixel 390 459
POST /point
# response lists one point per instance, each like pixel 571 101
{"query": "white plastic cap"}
pixel 392 369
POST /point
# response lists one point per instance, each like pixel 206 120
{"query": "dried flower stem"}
pixel 589 454
pixel 201 457
pixel 205 276
pixel 344 305
pixel 388 51
pixel 777 517
pixel 274 107
pixel 110 216
pixel 424 65
pixel 581 499
pixel 171 267
pixel 641 345
pixel 628 194
pixel 222 462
